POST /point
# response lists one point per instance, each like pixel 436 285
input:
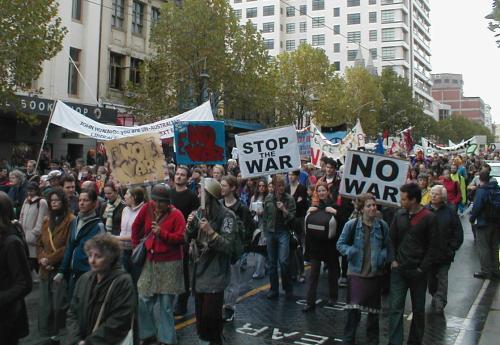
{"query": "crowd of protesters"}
pixel 79 234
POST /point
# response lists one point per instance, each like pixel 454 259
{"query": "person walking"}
pixel 259 243
pixel 450 237
pixel 452 188
pixel 413 234
pixel 161 277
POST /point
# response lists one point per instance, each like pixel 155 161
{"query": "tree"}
pixel 494 16
pixel 200 46
pixel 459 127
pixel 29 34
pixel 301 77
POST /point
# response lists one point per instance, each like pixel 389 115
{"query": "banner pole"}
pixel 45 135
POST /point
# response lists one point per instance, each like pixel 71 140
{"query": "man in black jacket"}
pixel 450 236
pixel 413 232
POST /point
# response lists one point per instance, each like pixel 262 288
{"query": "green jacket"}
pixel 270 209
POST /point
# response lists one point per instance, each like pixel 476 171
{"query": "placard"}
pixel 200 142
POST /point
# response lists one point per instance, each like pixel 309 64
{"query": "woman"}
pixel 365 241
pixel 134 199
pixel 112 211
pixel 15 277
pixel 103 304
pixel 31 218
pixel 162 275
pixel 319 249
pixel 50 250
pixel 259 243
pixel 453 189
pixel 17 191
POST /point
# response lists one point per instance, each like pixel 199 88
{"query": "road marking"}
pixel 472 311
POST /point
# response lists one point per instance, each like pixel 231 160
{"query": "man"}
pixel 423 183
pixel 195 180
pixel 111 212
pixel 218 172
pixel 69 188
pixel 229 186
pixel 185 201
pixel 279 214
pixel 55 165
pixel 413 231
pixel 487 230
pixel 331 178
pixel 450 237
pixel 54 178
pixel 30 169
pixel 460 179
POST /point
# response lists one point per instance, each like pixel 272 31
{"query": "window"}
pixel 303 10
pixel 373 53
pixel 76 10
pixel 137 17
pixel 290 11
pixel 336 64
pixel 237 1
pixel 303 41
pixel 116 71
pixel 318 22
pixel 268 27
pixel 290 45
pixel 117 13
pixel 354 37
pixel 269 43
pixel 318 5
pixel 155 15
pixel 303 26
pixel 351 54
pixel 318 40
pixel 254 25
pixel 353 18
pixel 237 13
pixel 135 70
pixel 373 35
pixel 336 47
pixel 336 29
pixel 352 3
pixel 372 17
pixel 73 71
pixel 372 2
pixel 388 16
pixel 252 12
pixel 268 10
pixel 388 53
pixel 290 28
pixel 336 12
pixel 388 34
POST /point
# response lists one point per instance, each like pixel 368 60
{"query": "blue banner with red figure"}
pixel 200 142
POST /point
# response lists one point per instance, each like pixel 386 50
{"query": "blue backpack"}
pixel 493 206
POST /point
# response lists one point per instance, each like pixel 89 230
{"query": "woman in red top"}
pixel 162 276
pixel 452 189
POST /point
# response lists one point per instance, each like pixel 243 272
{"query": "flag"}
pixel 379 148
pixel 407 139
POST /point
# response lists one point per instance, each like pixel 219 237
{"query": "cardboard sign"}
pixel 200 142
pixel 304 138
pixel 376 174
pixel 268 152
pixel 136 159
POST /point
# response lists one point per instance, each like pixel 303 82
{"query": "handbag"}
pixel 138 256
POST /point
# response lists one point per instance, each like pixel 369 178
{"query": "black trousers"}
pixel 208 310
pixel 333 275
pixel 372 327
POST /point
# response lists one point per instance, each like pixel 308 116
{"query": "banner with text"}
pixel 64 116
pixel 200 142
pixel 268 152
pixel 136 159
pixel 376 174
pixel 321 146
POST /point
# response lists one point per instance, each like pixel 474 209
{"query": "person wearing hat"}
pixel 162 275
pixel 54 178
pixel 212 232
pixel 32 214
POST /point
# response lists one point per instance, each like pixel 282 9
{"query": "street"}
pixel 261 321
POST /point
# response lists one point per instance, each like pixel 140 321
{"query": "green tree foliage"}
pixel 191 40
pixel 30 33
pixel 494 16
pixel 459 128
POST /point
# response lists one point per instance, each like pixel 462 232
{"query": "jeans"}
pixel 52 306
pixel 278 249
pixel 403 280
pixel 333 277
pixel 438 285
pixel 166 327
pixel 260 265
pixel 232 291
pixel 372 327
pixel 487 245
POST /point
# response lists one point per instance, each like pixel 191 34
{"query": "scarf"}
pixel 108 213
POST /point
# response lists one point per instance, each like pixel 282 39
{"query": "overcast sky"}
pixel 461 43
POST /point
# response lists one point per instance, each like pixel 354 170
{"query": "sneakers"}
pixel 343 282
pixel 481 275
pixel 256 276
pixel 228 315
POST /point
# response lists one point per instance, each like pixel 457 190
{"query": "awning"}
pixel 251 126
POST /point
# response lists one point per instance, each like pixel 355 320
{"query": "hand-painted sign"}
pixel 268 152
pixel 376 174
pixel 200 142
pixel 304 139
pixel 136 159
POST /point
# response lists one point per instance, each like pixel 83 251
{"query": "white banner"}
pixel 465 147
pixel 321 146
pixel 373 173
pixel 268 151
pixel 72 120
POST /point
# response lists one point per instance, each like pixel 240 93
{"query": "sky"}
pixel 462 43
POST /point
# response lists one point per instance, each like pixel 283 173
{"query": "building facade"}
pixel 393 33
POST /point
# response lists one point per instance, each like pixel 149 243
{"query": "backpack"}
pixel 321 225
pixel 493 206
pixel 244 233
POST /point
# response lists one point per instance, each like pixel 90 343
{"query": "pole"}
pixel 45 135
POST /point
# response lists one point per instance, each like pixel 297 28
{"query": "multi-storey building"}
pixel 394 32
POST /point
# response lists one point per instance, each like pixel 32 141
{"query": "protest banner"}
pixel 321 146
pixel 200 142
pixel 373 173
pixel 268 151
pixel 64 116
pixel 336 133
pixel 469 146
pixel 304 139
pixel 136 159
